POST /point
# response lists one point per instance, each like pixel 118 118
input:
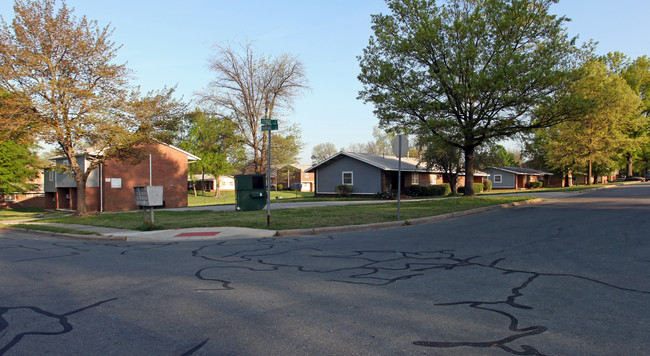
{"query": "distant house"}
pixel 208 183
pixel 110 187
pixel 516 177
pixel 369 174
pixel 293 174
pixel 578 178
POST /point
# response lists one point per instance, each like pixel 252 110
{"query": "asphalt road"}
pixel 569 277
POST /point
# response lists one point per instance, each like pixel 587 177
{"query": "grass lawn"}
pixel 228 197
pixel 559 189
pixel 56 229
pixel 28 213
pixel 292 218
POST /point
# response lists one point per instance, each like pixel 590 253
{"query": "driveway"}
pixel 570 277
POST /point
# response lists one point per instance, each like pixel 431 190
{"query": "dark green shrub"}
pixel 487 185
pixel 385 195
pixel 441 189
pixel 343 190
pixel 415 191
pixel 428 191
pixel 535 185
pixel 478 187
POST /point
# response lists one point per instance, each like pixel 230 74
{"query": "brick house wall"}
pixel 112 184
pixel 168 169
pixel 31 199
pixel 307 180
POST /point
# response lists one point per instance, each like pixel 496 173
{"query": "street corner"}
pixel 202 233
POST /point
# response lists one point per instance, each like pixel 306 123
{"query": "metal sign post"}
pixel 268 186
pixel 269 125
pixel 400 146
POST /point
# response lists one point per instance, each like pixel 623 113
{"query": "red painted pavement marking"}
pixel 207 233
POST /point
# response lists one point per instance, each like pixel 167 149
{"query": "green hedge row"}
pixel 427 191
pixel 478 188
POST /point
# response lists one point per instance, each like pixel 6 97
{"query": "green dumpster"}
pixel 250 190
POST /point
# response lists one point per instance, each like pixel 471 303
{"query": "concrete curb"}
pixel 63 234
pixel 393 224
pixel 337 229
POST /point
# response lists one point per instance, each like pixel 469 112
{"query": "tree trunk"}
pixel 81 200
pixel 469 172
pixel 217 193
pixel 202 183
pixel 453 183
pixel 630 161
pixel 589 172
pixel 567 179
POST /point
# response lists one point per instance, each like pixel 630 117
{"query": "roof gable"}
pixel 522 170
pixel 388 163
pixel 385 163
pixel 89 152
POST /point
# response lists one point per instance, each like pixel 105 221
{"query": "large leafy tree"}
pixel 600 137
pixel 468 71
pixel 16 118
pixel 438 155
pixel 62 68
pixel 381 145
pixel 323 151
pixel 249 87
pixel 18 163
pixel 18 167
pixel 494 155
pixel 637 74
pixel 216 141
pixel 285 148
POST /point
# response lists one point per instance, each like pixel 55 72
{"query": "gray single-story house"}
pixel 369 174
pixel 516 177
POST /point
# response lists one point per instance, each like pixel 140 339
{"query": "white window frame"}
pixel 433 179
pixel 351 177
pixel 498 178
pixel 415 178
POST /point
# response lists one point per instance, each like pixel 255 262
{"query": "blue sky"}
pixel 168 43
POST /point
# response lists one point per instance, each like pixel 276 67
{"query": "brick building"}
pixel 110 187
pixel 293 174
pixel 29 199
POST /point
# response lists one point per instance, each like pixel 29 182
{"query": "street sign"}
pixel 266 121
pixel 272 126
pixel 400 140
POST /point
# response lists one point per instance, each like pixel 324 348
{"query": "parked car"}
pixel 635 179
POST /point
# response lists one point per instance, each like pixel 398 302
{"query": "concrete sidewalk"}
pixel 208 233
pixel 197 233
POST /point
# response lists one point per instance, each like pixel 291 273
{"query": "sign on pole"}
pixel 269 125
pixel 400 144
